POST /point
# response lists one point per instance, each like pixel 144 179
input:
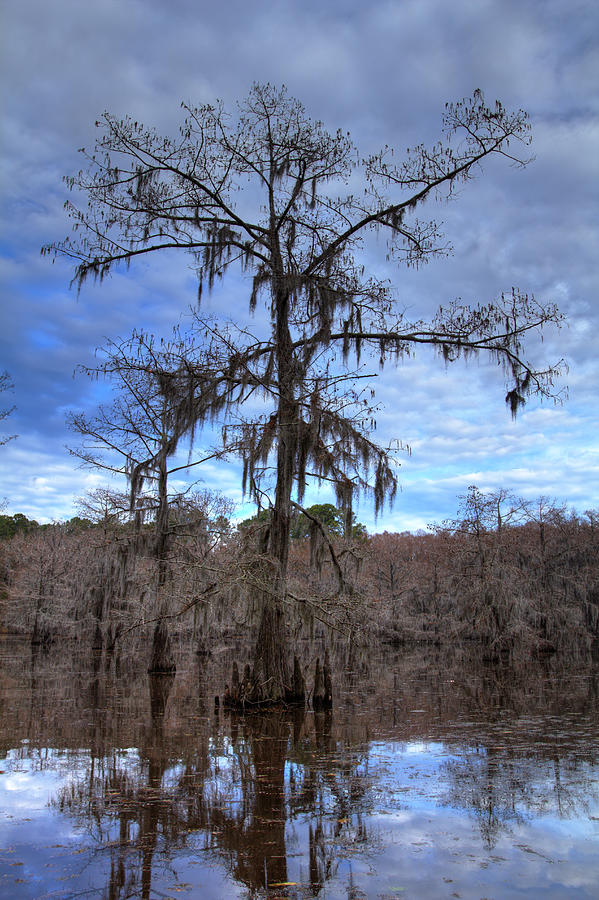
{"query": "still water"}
pixel 433 777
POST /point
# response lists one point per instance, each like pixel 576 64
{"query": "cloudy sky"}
pixel 383 71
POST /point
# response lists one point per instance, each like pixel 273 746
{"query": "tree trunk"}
pixel 162 661
pixel 272 682
pixel 322 695
pixel 270 677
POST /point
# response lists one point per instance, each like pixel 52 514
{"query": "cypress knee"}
pixel 299 686
pixel 318 693
pixel 328 682
pixel 235 685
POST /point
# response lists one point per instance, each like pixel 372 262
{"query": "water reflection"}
pixel 248 813
pixel 166 796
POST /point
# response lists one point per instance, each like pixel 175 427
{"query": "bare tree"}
pixel 270 191
pixel 41 577
pixel 136 436
pixel 103 506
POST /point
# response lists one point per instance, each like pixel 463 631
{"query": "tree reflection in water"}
pixel 122 800
pixel 234 797
pixel 504 788
pixel 289 803
pixel 282 770
pixel 251 832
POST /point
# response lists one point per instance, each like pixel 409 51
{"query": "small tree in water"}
pixel 134 436
pixel 269 191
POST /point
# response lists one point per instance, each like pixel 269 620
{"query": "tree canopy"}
pixel 272 192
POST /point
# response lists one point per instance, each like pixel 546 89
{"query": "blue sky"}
pixel 383 71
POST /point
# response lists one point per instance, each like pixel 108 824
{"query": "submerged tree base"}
pixel 249 693
pixel 246 693
pixel 162 661
pixel 322 697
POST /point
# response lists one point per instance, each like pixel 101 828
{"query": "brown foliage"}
pixel 515 575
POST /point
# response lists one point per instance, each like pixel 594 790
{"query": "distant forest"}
pixel 518 578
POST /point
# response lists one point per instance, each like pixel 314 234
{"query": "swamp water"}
pixel 430 778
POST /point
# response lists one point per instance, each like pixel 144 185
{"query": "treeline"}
pixel 517 577
pixel 17 523
pixel 514 575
